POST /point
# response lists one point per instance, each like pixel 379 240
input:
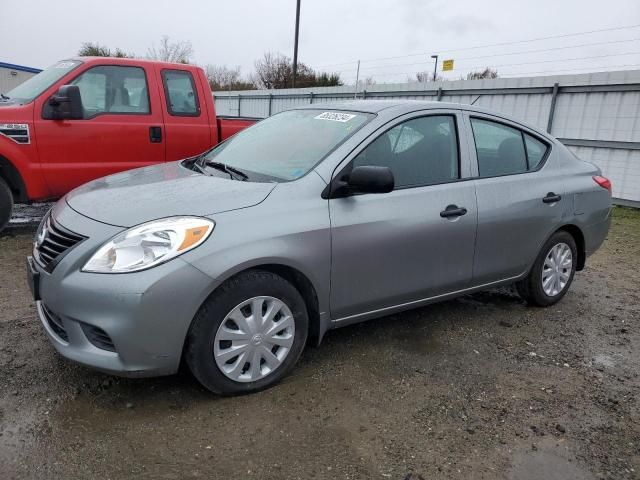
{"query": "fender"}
pixel 273 263
pixel 20 167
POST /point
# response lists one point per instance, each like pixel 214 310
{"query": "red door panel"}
pixel 121 106
pixel 187 126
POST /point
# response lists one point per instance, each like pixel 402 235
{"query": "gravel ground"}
pixel 479 387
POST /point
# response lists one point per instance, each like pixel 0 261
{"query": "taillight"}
pixel 603 182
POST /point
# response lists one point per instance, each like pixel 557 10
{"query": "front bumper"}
pixel 142 318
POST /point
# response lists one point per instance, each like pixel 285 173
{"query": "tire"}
pixel 531 287
pixel 6 204
pixel 204 354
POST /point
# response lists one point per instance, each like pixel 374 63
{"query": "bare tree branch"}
pixel 173 52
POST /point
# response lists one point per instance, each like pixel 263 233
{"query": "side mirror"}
pixel 65 104
pixel 370 179
pixel 364 179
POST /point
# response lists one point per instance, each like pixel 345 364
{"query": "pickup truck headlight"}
pixel 149 244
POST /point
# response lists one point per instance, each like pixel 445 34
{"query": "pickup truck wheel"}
pixel 248 334
pixel 552 273
pixel 6 204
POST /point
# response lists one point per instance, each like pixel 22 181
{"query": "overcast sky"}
pixel 334 34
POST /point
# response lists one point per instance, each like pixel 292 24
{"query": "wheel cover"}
pixel 556 270
pixel 254 339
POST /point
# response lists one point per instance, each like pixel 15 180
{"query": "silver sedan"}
pixel 312 219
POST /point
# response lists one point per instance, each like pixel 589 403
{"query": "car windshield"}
pixel 27 91
pixel 286 146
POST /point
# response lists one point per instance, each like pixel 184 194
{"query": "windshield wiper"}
pixel 4 97
pixel 233 172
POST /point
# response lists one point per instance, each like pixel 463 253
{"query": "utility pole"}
pixel 355 94
pixel 295 46
pixel 435 67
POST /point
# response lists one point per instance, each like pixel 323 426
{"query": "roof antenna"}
pixel 477 98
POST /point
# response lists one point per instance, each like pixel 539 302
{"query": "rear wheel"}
pixel 248 335
pixel 552 273
pixel 6 204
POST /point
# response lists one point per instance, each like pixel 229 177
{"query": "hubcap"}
pixel 254 339
pixel 556 270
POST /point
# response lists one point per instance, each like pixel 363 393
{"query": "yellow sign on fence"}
pixel 447 65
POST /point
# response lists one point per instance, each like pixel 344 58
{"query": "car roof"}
pixel 396 107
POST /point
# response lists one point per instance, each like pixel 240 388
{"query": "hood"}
pixel 130 198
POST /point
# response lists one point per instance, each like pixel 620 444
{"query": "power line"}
pixel 594 68
pixel 390 74
pixel 506 64
pixel 627 27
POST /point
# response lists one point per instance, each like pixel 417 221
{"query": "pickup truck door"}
pixel 189 130
pixel 417 241
pixel 122 128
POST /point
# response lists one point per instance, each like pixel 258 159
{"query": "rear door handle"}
pixel 551 198
pixel 155 134
pixel 453 211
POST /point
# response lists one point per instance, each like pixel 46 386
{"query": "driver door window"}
pixel 421 151
pixel 113 89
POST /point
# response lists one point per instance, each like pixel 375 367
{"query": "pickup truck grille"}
pixel 53 242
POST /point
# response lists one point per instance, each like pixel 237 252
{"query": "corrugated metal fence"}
pixel 597 115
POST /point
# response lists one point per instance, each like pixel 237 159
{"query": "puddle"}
pixel 551 461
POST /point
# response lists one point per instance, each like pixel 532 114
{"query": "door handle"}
pixel 155 134
pixel 551 198
pixel 453 211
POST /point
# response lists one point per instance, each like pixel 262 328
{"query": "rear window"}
pixel 180 90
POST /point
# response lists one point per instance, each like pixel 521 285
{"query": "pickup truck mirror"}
pixel 65 104
pixel 364 179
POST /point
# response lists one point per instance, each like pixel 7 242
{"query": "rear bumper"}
pixel 595 234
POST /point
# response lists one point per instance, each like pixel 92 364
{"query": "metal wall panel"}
pixel 622 167
pixel 596 108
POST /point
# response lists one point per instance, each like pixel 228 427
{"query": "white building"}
pixel 13 75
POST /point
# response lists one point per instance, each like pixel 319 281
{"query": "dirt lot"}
pixel 480 387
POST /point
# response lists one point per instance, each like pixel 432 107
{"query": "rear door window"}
pixel 181 94
pixel 536 150
pixel 499 148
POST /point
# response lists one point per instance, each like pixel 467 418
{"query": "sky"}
pixel 394 39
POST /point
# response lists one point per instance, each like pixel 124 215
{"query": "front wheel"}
pixel 6 204
pixel 552 273
pixel 248 334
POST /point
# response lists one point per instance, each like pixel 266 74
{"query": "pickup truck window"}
pixel 27 91
pixel 182 98
pixel 113 89
pixel 287 145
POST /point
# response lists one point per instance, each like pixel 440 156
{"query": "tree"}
pixel 173 52
pixel 221 77
pixel 275 70
pixel 89 49
pixel 428 77
pixel 481 74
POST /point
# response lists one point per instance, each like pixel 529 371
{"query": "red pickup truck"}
pixel 87 117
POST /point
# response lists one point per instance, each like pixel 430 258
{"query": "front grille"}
pixel 98 337
pixel 55 322
pixel 53 242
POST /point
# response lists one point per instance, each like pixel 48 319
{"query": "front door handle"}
pixel 155 134
pixel 551 198
pixel 453 211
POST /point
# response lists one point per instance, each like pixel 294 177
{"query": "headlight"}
pixel 149 244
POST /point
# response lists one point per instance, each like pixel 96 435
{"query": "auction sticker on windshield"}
pixel 335 116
